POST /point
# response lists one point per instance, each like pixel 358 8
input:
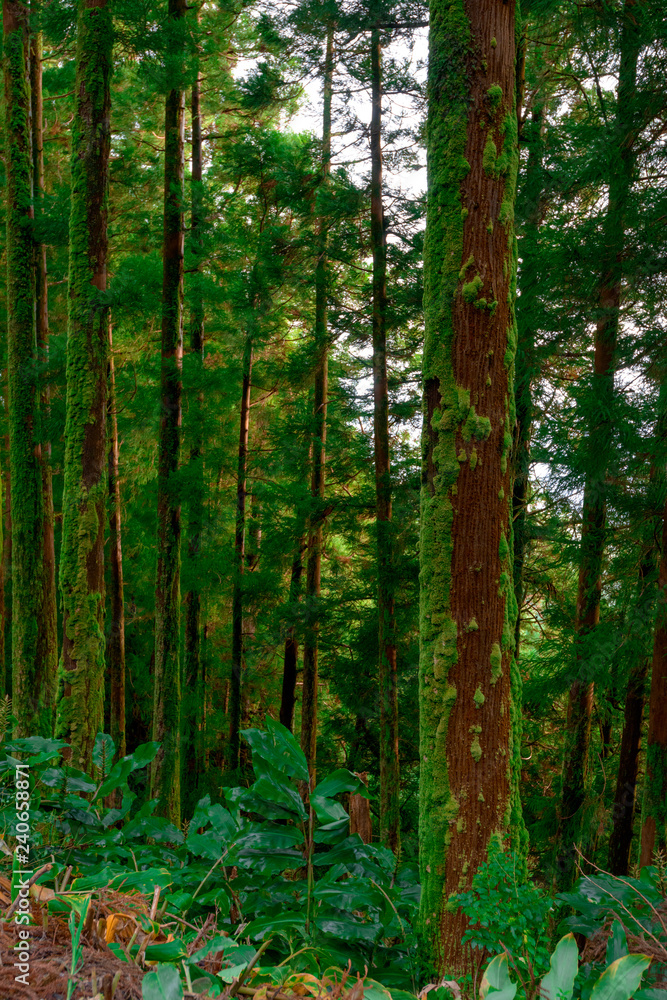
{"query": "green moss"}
pixel 82 668
pixel 462 457
pixel 476 748
pixel 476 427
pixel 480 798
pixel 493 43
pixel 464 213
pixel 496 662
pixel 472 625
pixel 489 227
pixel 478 697
pixel 490 156
pixel 495 95
pixel 471 289
pixel 469 263
pixel 473 458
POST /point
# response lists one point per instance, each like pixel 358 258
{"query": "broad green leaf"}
pixel 563 967
pixel 163 984
pixel 217 944
pixel 496 983
pixel 117 951
pixel 103 752
pixel 141 757
pixel 621 979
pixel 617 945
pixel 375 991
pixel 166 951
pixel 205 845
pixel 232 973
pixel 144 881
pixel 276 925
pixel 69 780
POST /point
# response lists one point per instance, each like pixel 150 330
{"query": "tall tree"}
pixel 33 686
pixel 48 630
pixel 116 645
pixel 194 681
pixel 236 685
pixel 390 825
pixel 319 443
pixel 468 789
pixel 81 696
pixel 165 772
pixel 593 529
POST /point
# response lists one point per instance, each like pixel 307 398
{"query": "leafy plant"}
pixel 619 980
pixel 508 915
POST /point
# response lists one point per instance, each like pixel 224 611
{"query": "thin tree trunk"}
pixel 165 772
pixel 48 629
pixel 468 781
pixel 81 704
pixel 654 804
pixel 291 654
pixel 236 686
pixel 116 646
pixel 193 665
pixel 32 688
pixel 390 818
pixel 525 357
pixel 315 529
pixel 593 529
pixel 7 569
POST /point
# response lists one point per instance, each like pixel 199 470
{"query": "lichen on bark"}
pixel 467 674
pixel 81 671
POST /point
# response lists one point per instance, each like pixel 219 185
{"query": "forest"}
pixel 333 529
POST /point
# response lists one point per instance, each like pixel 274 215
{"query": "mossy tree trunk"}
pixel 468 718
pixel 116 644
pixel 48 629
pixel 594 514
pixel 319 443
pixel 165 771
pixel 193 662
pixel 32 684
pixel 236 683
pixel 81 676
pixel 390 819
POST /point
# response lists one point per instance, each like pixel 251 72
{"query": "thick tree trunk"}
pixel 32 686
pixel 593 528
pixel 116 644
pixel 316 526
pixel 291 653
pixel 468 784
pixel 48 629
pixel 654 806
pixel 390 818
pixel 193 664
pixel 81 704
pixel 236 686
pixel 165 772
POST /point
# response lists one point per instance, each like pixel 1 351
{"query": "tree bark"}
pixel 81 703
pixel 532 195
pixel 593 528
pixel 116 645
pixel 193 664
pixel 390 818
pixel 236 686
pixel 48 629
pixel 165 772
pixel 316 526
pixel 291 653
pixel 468 719
pixel 654 805
pixel 32 687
